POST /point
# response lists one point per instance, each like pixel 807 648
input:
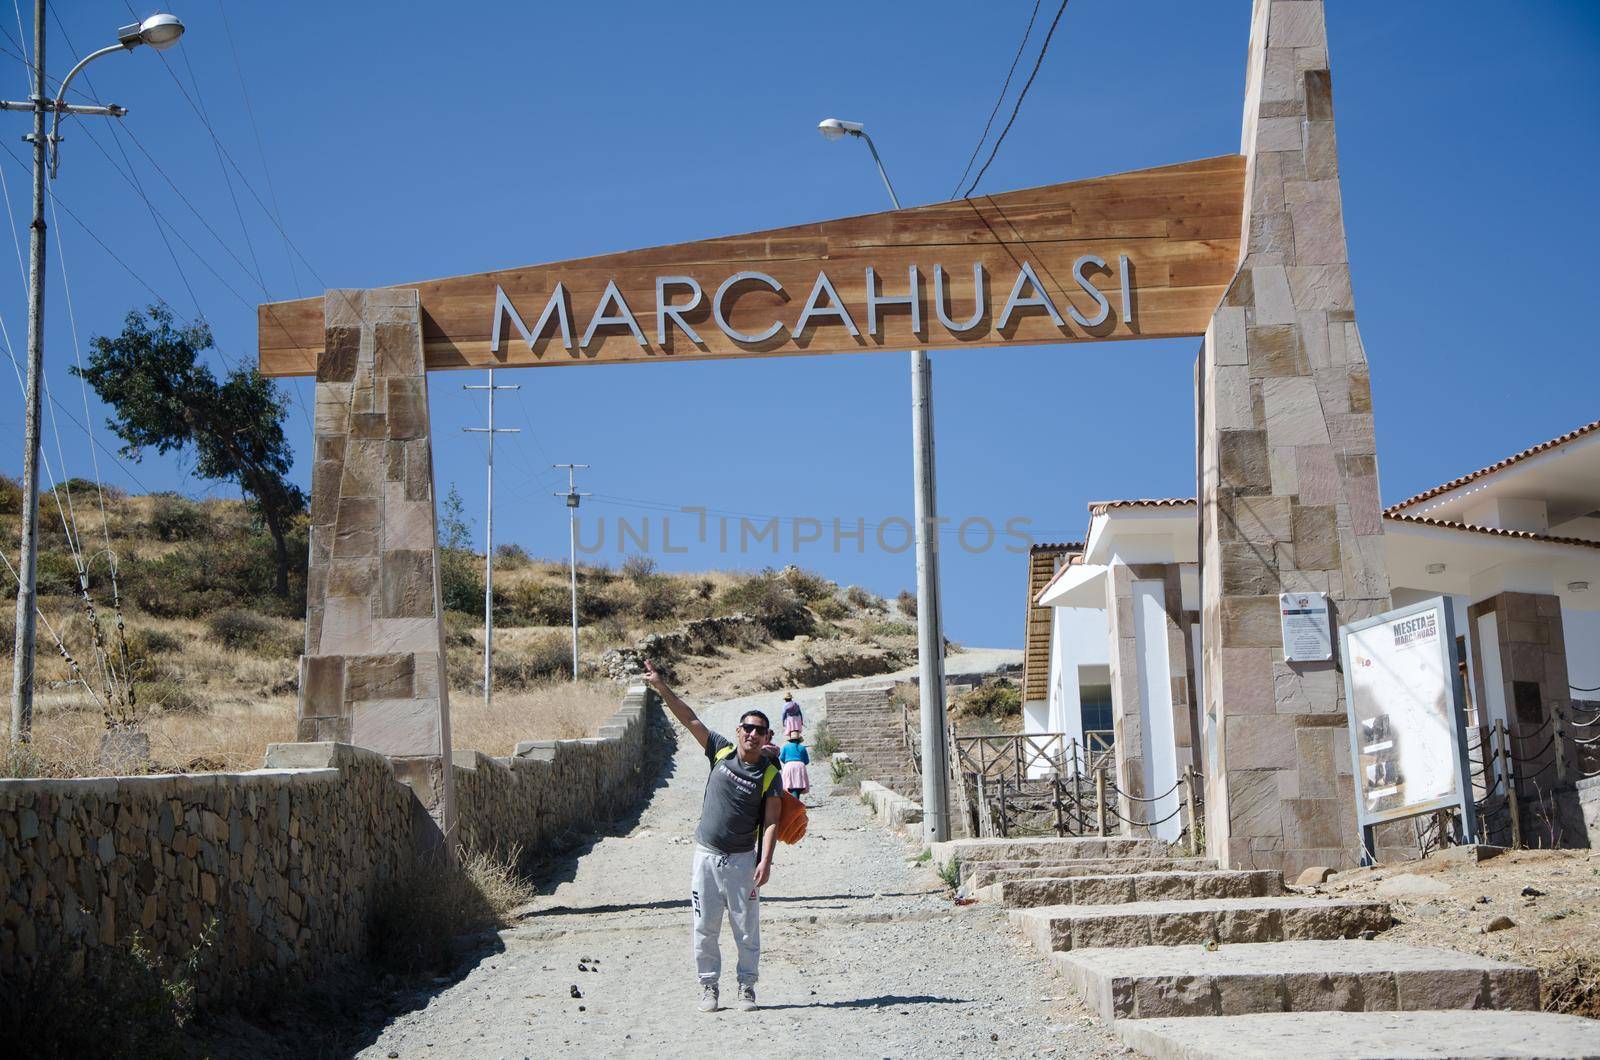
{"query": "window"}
pixel 1095 703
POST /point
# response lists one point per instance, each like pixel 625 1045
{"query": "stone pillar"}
pixel 373 673
pixel 1289 471
pixel 1533 680
pixel 1128 690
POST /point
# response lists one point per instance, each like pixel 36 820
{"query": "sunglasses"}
pixel 755 730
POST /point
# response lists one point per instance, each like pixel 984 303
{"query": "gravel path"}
pixel 863 954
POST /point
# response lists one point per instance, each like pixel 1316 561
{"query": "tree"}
pixel 163 397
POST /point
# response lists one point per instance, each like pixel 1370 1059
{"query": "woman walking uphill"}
pixel 733 844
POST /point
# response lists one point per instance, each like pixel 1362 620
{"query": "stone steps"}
pixel 1120 888
pixel 1163 981
pixel 985 873
pixel 1071 848
pixel 1482 1035
pixel 1224 920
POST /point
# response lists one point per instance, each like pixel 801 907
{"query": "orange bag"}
pixel 792 819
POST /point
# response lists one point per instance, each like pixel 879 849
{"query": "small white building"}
pixel 1515 546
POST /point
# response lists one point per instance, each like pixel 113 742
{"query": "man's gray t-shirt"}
pixel 734 804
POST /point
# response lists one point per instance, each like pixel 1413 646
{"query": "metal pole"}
pixel 930 626
pixel 1100 799
pixel 488 563
pixel 574 497
pixel 27 575
pixel 488 536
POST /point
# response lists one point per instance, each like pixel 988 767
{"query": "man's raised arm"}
pixel 680 710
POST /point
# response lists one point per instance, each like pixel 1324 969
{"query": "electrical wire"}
pixel 1022 95
pixel 1004 88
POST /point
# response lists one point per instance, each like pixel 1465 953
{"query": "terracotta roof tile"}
pixel 1492 468
pixel 1056 547
pixel 1525 535
pixel 1101 507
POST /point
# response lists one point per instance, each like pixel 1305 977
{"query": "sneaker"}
pixel 708 997
pixel 747 997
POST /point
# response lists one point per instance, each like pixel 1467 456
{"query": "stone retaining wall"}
pixel 280 867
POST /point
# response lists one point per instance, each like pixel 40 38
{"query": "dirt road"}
pixel 863 955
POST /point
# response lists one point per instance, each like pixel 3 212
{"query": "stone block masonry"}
pixel 373 670
pixel 288 861
pixel 1289 473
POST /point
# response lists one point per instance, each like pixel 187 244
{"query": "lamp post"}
pixel 574 497
pixel 159 31
pixel 930 624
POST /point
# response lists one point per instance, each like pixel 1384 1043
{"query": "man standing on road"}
pixel 738 815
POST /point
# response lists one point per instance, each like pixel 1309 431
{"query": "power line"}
pixel 266 170
pixel 1020 97
pixel 998 100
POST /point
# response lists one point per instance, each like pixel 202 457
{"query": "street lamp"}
pixel 159 31
pixel 930 625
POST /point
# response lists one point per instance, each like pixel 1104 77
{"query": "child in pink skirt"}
pixel 795 759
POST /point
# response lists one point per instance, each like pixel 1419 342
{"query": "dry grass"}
pixel 231 737
pixel 561 711
pixel 417 916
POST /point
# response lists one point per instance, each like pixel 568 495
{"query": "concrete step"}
pixel 985 873
pixel 1071 848
pixel 1142 982
pixel 1118 888
pixel 1068 927
pixel 1484 1035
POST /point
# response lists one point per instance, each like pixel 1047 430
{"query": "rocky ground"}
pixel 1534 907
pixel 865 954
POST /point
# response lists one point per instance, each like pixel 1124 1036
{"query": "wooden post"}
pixel 1560 746
pixel 1511 785
pixel 1189 802
pixel 1061 820
pixel 1100 799
pixel 1004 834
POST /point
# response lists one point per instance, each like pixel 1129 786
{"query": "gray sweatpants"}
pixel 718 882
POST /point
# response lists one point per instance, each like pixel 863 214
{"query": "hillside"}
pixel 212 652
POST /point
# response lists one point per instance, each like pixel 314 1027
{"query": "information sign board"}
pixel 1307 633
pixel 1403 696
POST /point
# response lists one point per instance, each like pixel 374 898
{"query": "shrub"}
pixel 638 566
pixel 545 658
pixel 120 1001
pixel 862 600
pixel 175 518
pixel 659 597
pixel 10 496
pixel 999 700
pixel 458 630
pixel 824 742
pixel 57 574
pixel 511 556
pixel 418 914
pixel 882 627
pixel 169 695
pixel 769 598
pixel 532 603
pixel 461 581
pixel 808 586
pixel 830 608
pixel 248 631
pixel 222 571
pixel 145 641
pixel 907 602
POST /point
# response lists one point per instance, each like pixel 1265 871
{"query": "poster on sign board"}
pixel 1402 693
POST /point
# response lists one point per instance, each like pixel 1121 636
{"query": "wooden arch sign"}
pixel 1145 254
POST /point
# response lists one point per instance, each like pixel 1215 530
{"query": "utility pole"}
pixel 930 620
pixel 573 498
pixel 488 534
pixel 159 31
pixel 28 574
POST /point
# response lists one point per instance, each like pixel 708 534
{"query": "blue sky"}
pixel 403 142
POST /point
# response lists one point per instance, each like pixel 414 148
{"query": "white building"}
pixel 1515 546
